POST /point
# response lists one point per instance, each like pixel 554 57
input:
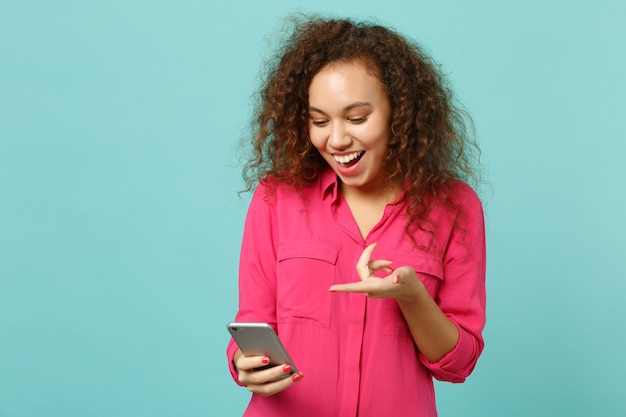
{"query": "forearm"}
pixel 434 334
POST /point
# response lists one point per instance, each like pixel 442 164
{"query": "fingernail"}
pixel 265 359
pixel 296 377
pixel 287 368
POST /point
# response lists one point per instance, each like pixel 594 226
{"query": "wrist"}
pixel 417 298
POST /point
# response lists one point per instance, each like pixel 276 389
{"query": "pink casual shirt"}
pixel 356 353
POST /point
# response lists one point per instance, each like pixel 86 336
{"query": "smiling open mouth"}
pixel 349 160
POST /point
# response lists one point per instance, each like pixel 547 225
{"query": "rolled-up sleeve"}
pixel 257 283
pixel 462 295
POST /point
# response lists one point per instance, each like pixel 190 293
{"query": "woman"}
pixel 363 246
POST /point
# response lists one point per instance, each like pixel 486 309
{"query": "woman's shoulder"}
pixel 466 203
pixel 274 188
pixel 461 193
pixel 457 198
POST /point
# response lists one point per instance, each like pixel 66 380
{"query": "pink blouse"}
pixel 356 353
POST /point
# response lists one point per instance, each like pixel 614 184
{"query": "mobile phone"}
pixel 260 339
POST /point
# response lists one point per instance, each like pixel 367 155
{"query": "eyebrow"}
pixel 347 108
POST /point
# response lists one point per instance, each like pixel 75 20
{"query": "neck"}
pixel 376 194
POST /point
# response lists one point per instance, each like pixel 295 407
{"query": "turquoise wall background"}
pixel 120 220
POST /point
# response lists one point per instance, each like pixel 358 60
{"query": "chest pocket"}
pixel 429 270
pixel 304 272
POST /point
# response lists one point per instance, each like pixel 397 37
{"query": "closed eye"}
pixel 319 123
pixel 358 120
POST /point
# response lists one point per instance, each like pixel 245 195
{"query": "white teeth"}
pixel 344 159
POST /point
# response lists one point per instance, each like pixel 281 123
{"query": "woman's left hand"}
pixel 401 284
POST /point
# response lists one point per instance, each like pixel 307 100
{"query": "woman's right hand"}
pixel 263 381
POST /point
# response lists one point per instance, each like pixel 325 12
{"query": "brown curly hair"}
pixel 431 139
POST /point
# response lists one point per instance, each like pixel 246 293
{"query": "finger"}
pixel 381 264
pixel 369 286
pixel 246 363
pixel 404 275
pixel 362 265
pixel 273 387
pixel 264 375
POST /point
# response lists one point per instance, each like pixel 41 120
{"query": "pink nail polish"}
pixel 265 360
pixel 296 377
pixel 287 368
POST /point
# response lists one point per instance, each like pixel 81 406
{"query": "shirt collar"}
pixel 330 187
pixel 329 184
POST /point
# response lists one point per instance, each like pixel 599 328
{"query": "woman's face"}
pixel 349 124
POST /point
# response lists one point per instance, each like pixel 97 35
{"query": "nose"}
pixel 339 137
